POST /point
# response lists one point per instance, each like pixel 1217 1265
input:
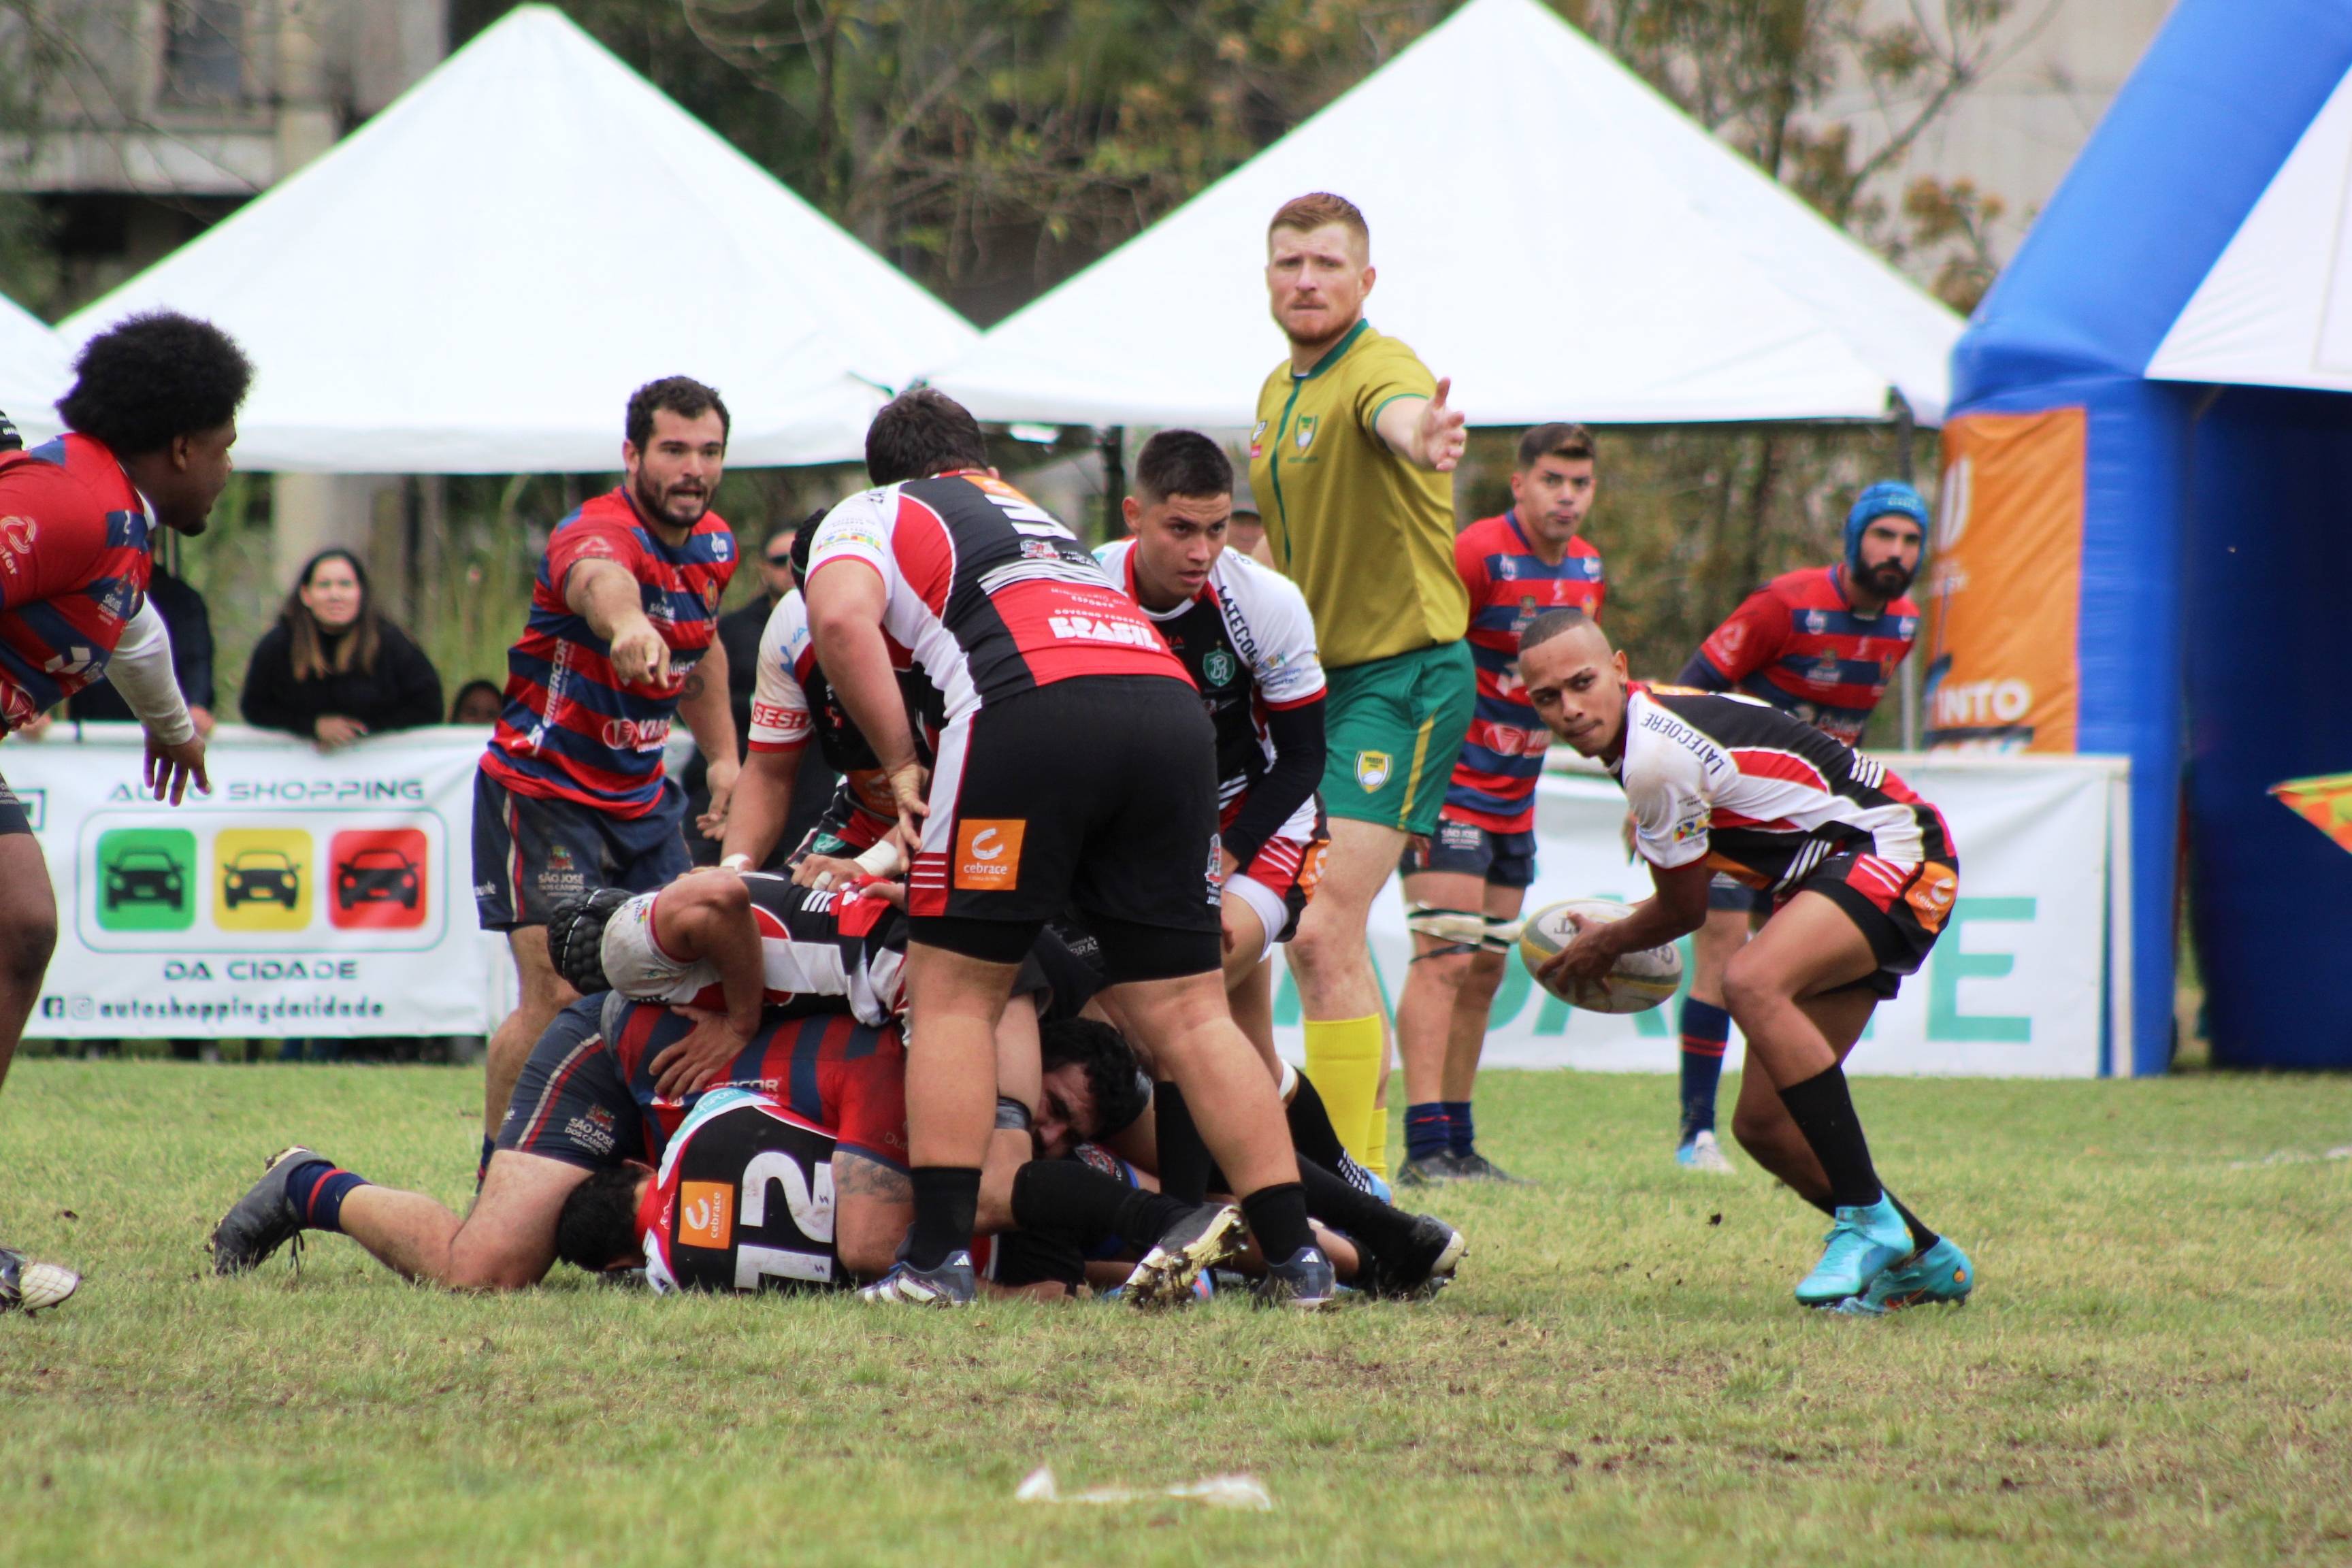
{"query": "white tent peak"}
pixel 2276 309
pixel 1549 232
pixel 475 280
pixel 34 370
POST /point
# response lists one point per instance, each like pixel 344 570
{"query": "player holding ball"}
pixel 1861 874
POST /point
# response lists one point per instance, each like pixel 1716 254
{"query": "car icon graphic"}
pixel 261 876
pixel 378 876
pixel 144 877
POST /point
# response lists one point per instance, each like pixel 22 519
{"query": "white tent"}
pixel 34 370
pixel 475 280
pixel 2276 309
pixel 1549 231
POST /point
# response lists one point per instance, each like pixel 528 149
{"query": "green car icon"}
pixel 145 875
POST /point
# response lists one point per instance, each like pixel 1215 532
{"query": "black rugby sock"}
pixel 1184 1159
pixel 947 1200
pixel 1278 1217
pixel 1311 1132
pixel 1067 1196
pixel 1384 1227
pixel 1922 1239
pixel 1822 1108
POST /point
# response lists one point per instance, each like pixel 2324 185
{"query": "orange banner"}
pixel 2003 585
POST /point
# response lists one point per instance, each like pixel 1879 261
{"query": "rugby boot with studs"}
pixel 1183 1256
pixel 1417 1273
pixel 1304 1282
pixel 28 1287
pixel 1704 1154
pixel 265 1219
pixel 1864 1240
pixel 1942 1275
pixel 952 1284
pixel 1475 1167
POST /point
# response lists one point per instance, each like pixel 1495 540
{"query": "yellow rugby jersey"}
pixel 1366 536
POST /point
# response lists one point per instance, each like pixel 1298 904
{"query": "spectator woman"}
pixel 334 668
pixel 476 703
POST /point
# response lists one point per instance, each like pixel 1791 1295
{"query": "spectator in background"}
pixel 184 616
pixel 478 702
pixel 334 668
pixel 1246 532
pixel 740 630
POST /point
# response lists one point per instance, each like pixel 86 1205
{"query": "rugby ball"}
pixel 1641 979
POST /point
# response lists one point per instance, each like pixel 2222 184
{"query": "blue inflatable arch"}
pixel 2215 571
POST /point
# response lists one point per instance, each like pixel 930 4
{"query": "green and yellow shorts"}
pixel 1394 727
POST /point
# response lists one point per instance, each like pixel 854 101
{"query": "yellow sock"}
pixel 1343 1057
pixel 1376 1145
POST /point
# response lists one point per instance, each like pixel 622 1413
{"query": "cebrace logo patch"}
pixel 706 1214
pixel 988 854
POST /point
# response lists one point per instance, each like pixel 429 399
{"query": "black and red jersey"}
pixel 989 593
pixel 73 571
pixel 1762 796
pixel 821 950
pixel 570 729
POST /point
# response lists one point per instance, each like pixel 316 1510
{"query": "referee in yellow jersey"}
pixel 1348 463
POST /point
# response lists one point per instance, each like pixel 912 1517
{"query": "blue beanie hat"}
pixel 1887 497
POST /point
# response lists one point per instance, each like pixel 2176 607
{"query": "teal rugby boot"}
pixel 1863 1242
pixel 1942 1274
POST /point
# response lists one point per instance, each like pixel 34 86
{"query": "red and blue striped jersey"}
pixel 570 730
pixel 828 1068
pixel 1799 644
pixel 1493 782
pixel 73 571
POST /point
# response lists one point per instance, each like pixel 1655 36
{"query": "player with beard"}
pixel 1821 644
pixel 1475 871
pixel 620 641
pixel 1350 457
pixel 151 417
pixel 1039 655
pixel 1860 875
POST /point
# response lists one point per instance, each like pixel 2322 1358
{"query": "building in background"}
pixel 150 119
pixel 2051 68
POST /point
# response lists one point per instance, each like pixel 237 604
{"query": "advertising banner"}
pixel 2003 582
pixel 2014 987
pixel 308 895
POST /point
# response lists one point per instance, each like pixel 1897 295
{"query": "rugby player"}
pixel 1861 874
pixel 1246 640
pixel 149 420
pixel 572 796
pixel 1349 456
pixel 1821 644
pixel 792 703
pixel 1038 656
pixel 587 1111
pixel 1481 861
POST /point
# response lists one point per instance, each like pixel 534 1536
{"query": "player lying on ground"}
pixel 1092 1077
pixel 151 418
pixel 1245 637
pixel 1862 874
pixel 1822 644
pixel 587 1111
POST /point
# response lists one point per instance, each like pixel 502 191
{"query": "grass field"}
pixel 2157 1367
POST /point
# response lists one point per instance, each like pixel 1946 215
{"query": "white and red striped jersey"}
pixel 1760 795
pixel 820 951
pixel 1247 639
pixel 991 595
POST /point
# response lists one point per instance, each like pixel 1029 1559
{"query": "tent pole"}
pixel 1904 468
pixel 1112 439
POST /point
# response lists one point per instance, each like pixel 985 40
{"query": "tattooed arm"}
pixel 873 1205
